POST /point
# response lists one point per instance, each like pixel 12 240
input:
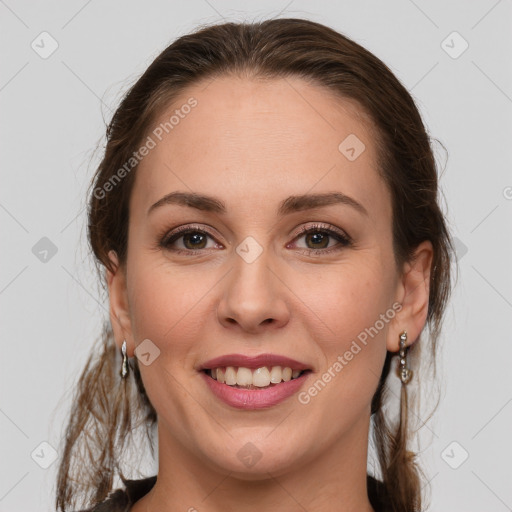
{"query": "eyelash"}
pixel 343 239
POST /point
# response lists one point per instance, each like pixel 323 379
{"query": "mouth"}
pixel 254 381
pixel 264 377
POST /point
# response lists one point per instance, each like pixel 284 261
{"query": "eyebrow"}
pixel 289 205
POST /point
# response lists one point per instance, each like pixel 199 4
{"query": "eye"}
pixel 187 239
pixel 318 239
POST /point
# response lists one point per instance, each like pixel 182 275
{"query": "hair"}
pixel 105 407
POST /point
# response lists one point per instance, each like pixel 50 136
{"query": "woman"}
pixel 267 216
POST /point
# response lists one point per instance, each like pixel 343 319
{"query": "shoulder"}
pixel 378 495
pixel 121 500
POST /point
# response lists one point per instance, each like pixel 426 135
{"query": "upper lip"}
pixel 253 362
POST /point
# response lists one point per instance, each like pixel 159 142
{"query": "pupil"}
pixel 194 238
pixel 318 237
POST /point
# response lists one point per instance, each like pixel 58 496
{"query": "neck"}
pixel 334 480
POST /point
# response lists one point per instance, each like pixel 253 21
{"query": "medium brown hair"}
pixel 107 409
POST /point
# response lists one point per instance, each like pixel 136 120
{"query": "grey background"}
pixel 53 112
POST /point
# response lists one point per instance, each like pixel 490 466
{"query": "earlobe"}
pixel 119 309
pixel 413 295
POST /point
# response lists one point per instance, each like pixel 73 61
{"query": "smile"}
pixel 254 382
pixel 247 378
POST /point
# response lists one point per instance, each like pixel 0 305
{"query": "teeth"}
pixel 276 375
pixel 244 377
pixel 230 376
pixel 260 378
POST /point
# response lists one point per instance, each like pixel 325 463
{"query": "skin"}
pixel 252 143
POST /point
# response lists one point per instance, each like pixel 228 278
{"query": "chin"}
pixel 253 461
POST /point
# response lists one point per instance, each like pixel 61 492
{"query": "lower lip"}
pixel 255 398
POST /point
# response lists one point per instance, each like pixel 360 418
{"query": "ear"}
pixel 120 317
pixel 413 294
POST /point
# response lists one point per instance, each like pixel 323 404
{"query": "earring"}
pixel 404 373
pixel 124 364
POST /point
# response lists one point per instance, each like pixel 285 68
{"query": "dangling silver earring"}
pixel 404 373
pixel 124 364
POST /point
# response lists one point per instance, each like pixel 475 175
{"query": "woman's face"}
pixel 258 157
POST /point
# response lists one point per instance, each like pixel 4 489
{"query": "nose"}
pixel 253 297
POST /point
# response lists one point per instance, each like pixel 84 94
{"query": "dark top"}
pixel 121 500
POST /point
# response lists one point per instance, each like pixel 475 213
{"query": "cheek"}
pixel 349 318
pixel 167 304
pixel 348 297
pixel 170 309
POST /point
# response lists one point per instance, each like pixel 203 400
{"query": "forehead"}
pixel 253 137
